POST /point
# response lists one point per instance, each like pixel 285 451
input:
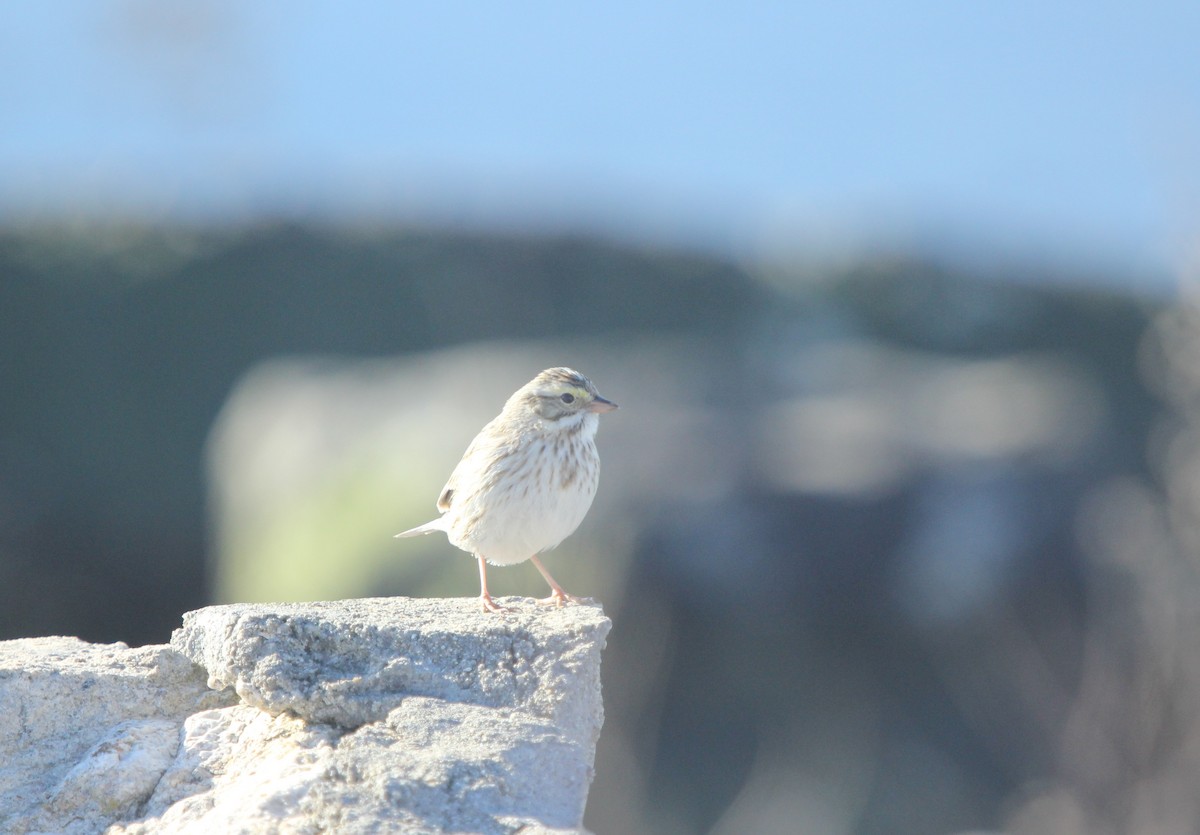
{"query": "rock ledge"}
pixel 380 715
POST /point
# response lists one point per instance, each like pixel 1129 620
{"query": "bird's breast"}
pixel 533 504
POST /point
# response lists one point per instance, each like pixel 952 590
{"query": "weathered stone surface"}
pixel 350 662
pixel 86 729
pixel 388 715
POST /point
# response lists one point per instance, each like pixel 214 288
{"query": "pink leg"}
pixel 558 597
pixel 485 599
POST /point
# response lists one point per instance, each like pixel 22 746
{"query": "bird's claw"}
pixel 490 605
pixel 559 598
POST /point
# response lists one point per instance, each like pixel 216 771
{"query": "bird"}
pixel 527 479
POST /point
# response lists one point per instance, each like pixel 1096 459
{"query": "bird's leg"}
pixel 485 599
pixel 557 597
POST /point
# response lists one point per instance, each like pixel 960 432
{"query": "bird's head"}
pixel 561 393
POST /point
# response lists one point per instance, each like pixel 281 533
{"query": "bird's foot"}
pixel 559 598
pixel 490 605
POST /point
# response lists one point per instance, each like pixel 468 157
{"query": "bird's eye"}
pixel 567 398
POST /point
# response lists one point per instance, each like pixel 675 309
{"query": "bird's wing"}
pixel 465 470
pixel 486 450
pixel 443 503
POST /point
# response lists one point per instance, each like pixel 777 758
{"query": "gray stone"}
pixel 358 716
pixel 87 729
pixel 350 662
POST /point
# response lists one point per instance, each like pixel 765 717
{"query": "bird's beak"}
pixel 599 405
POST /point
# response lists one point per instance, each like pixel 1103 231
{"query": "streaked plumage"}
pixel 527 480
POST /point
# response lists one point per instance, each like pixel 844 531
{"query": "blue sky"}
pixel 1064 128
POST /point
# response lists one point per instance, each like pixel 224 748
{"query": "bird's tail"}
pixel 429 527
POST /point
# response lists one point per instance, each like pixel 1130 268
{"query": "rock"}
pixel 387 715
pixel 351 662
pixel 87 729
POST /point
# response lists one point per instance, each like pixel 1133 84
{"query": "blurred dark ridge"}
pixel 120 344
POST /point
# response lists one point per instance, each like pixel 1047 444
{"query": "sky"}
pixel 1060 128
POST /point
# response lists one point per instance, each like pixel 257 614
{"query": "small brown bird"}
pixel 527 480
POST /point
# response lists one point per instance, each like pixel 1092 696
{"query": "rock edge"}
pixel 376 715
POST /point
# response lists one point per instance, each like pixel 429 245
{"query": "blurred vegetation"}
pixel 921 647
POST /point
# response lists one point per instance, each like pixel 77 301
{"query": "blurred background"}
pixel 899 518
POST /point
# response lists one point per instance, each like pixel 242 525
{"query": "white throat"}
pixel 585 422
